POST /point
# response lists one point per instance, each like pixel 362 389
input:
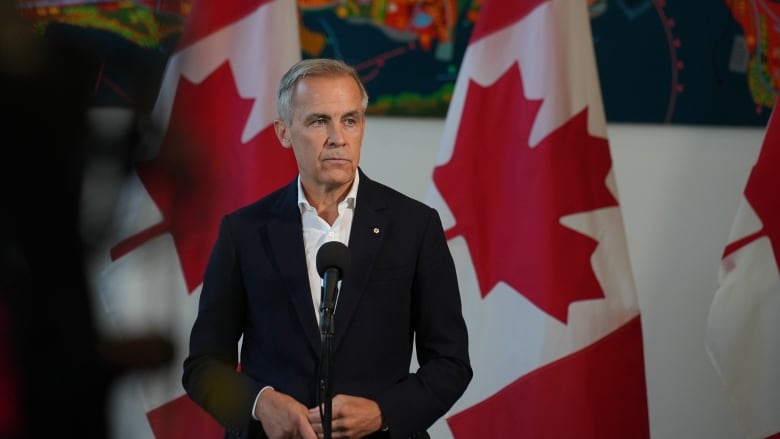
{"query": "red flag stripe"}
pixel 597 392
pixel 496 15
pixel 209 16
pixel 10 388
pixel 181 418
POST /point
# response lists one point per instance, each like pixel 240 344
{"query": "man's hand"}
pixel 353 417
pixel 283 417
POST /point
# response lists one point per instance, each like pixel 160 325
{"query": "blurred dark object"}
pixel 132 40
pixel 60 367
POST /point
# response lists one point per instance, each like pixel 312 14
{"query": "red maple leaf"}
pixel 203 171
pixel 508 198
pixel 760 192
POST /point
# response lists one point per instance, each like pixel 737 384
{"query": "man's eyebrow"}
pixel 354 113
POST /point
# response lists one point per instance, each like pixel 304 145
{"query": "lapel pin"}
pixel 376 230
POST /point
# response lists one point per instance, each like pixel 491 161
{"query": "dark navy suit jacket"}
pixel 401 286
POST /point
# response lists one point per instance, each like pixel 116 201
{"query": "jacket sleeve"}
pixel 211 377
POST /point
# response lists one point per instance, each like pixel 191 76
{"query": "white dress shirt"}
pixel 317 231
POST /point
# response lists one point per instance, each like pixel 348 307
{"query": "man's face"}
pixel 326 131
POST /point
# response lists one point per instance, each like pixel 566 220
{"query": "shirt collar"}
pixel 349 200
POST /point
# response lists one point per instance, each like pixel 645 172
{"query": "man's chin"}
pixel 340 179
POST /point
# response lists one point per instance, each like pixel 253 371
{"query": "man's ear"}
pixel 282 133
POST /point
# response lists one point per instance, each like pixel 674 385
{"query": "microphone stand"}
pixel 326 362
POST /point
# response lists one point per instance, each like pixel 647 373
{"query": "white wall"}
pixel 679 188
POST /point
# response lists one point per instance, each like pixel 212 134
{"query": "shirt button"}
pixel 331 234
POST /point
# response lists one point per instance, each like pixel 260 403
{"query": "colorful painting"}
pixel 406 51
pixel 681 62
pixel 659 61
pixel 760 23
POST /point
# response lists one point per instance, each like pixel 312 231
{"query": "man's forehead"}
pixel 320 84
pixel 327 104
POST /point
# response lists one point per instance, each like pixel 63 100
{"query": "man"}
pixel 261 283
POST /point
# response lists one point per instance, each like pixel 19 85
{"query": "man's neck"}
pixel 326 200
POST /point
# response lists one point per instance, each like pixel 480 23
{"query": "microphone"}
pixel 332 262
pixel 333 259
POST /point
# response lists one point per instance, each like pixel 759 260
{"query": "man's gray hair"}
pixel 312 67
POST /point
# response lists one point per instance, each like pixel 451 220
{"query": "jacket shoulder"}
pixel 271 206
pixel 395 198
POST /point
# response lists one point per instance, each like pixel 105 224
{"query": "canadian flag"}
pixel 743 327
pixel 525 187
pixel 217 152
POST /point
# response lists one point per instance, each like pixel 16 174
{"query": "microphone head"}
pixel 333 254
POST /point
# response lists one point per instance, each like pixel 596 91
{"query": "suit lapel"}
pixel 365 240
pixel 286 240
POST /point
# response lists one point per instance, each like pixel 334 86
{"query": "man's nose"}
pixel 336 135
